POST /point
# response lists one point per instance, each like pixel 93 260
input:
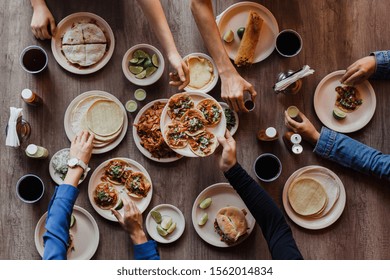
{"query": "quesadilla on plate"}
pixel 92 33
pixel 73 36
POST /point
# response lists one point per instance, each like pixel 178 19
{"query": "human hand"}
pixel 181 78
pixel 233 87
pixel 131 222
pixel 82 146
pixel 305 128
pixel 359 71
pixel 229 157
pixel 41 21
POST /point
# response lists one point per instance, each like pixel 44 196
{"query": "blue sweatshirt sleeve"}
pixel 350 153
pixel 58 222
pixel 270 218
pixel 382 70
pixel 146 251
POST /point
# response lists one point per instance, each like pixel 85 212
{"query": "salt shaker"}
pixel 269 134
pixel 292 141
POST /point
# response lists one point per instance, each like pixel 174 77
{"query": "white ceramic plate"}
pixel 66 24
pixel 331 216
pixel 85 235
pixel 177 217
pixel 137 139
pixel 236 16
pixel 325 98
pixel 68 115
pixel 235 127
pixel 142 203
pixel 213 82
pixel 55 175
pixel 218 130
pixel 222 195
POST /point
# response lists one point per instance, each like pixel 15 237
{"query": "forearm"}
pixel 351 153
pixel 157 20
pixel 57 225
pixel 382 69
pixel 202 11
pixel 73 176
pixel 267 214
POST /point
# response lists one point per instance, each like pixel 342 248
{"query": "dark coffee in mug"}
pixel 30 188
pixel 267 167
pixel 288 43
pixel 33 59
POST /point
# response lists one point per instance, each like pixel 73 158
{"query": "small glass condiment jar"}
pixel 23 129
pixel 291 89
pixel 30 97
pixel 35 151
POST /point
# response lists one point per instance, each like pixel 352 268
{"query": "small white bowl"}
pixel 212 83
pixel 152 78
pixel 177 217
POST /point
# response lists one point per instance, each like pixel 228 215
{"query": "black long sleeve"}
pixel 275 229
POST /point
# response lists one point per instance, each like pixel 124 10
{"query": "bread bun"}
pixel 231 224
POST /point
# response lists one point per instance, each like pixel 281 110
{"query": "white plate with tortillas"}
pixel 100 113
pixel 314 197
pixel 83 43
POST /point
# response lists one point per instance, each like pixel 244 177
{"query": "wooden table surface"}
pixel 335 34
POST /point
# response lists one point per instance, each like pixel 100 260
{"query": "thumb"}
pixel 117 215
pixel 52 26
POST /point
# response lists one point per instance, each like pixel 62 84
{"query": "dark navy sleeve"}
pixel 270 218
pixel 58 222
pixel 146 251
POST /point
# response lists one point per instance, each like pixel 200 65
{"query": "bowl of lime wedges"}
pixel 143 64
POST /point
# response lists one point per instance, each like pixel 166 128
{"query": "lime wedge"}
pixel 203 219
pixel 228 37
pixel 150 71
pixel 136 69
pixel 140 61
pixel 147 63
pixel 139 54
pixel 156 216
pixel 171 228
pixel 141 75
pixel 155 60
pixel 161 231
pixel 205 203
pixel 72 221
pixel 338 114
pixel 119 205
pixel 134 60
pixel 166 222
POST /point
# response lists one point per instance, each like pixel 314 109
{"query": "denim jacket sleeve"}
pixel 58 221
pixel 382 70
pixel 351 153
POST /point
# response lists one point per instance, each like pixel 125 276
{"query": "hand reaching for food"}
pixel 181 77
pixel 359 71
pixel 229 157
pixel 131 221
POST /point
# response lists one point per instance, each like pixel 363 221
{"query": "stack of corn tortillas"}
pixel 312 194
pixel 99 115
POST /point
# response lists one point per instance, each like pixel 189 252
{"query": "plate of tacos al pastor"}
pixel 114 179
pixel 191 123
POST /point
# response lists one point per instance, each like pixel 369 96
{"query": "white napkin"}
pixel 283 84
pixel 12 139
